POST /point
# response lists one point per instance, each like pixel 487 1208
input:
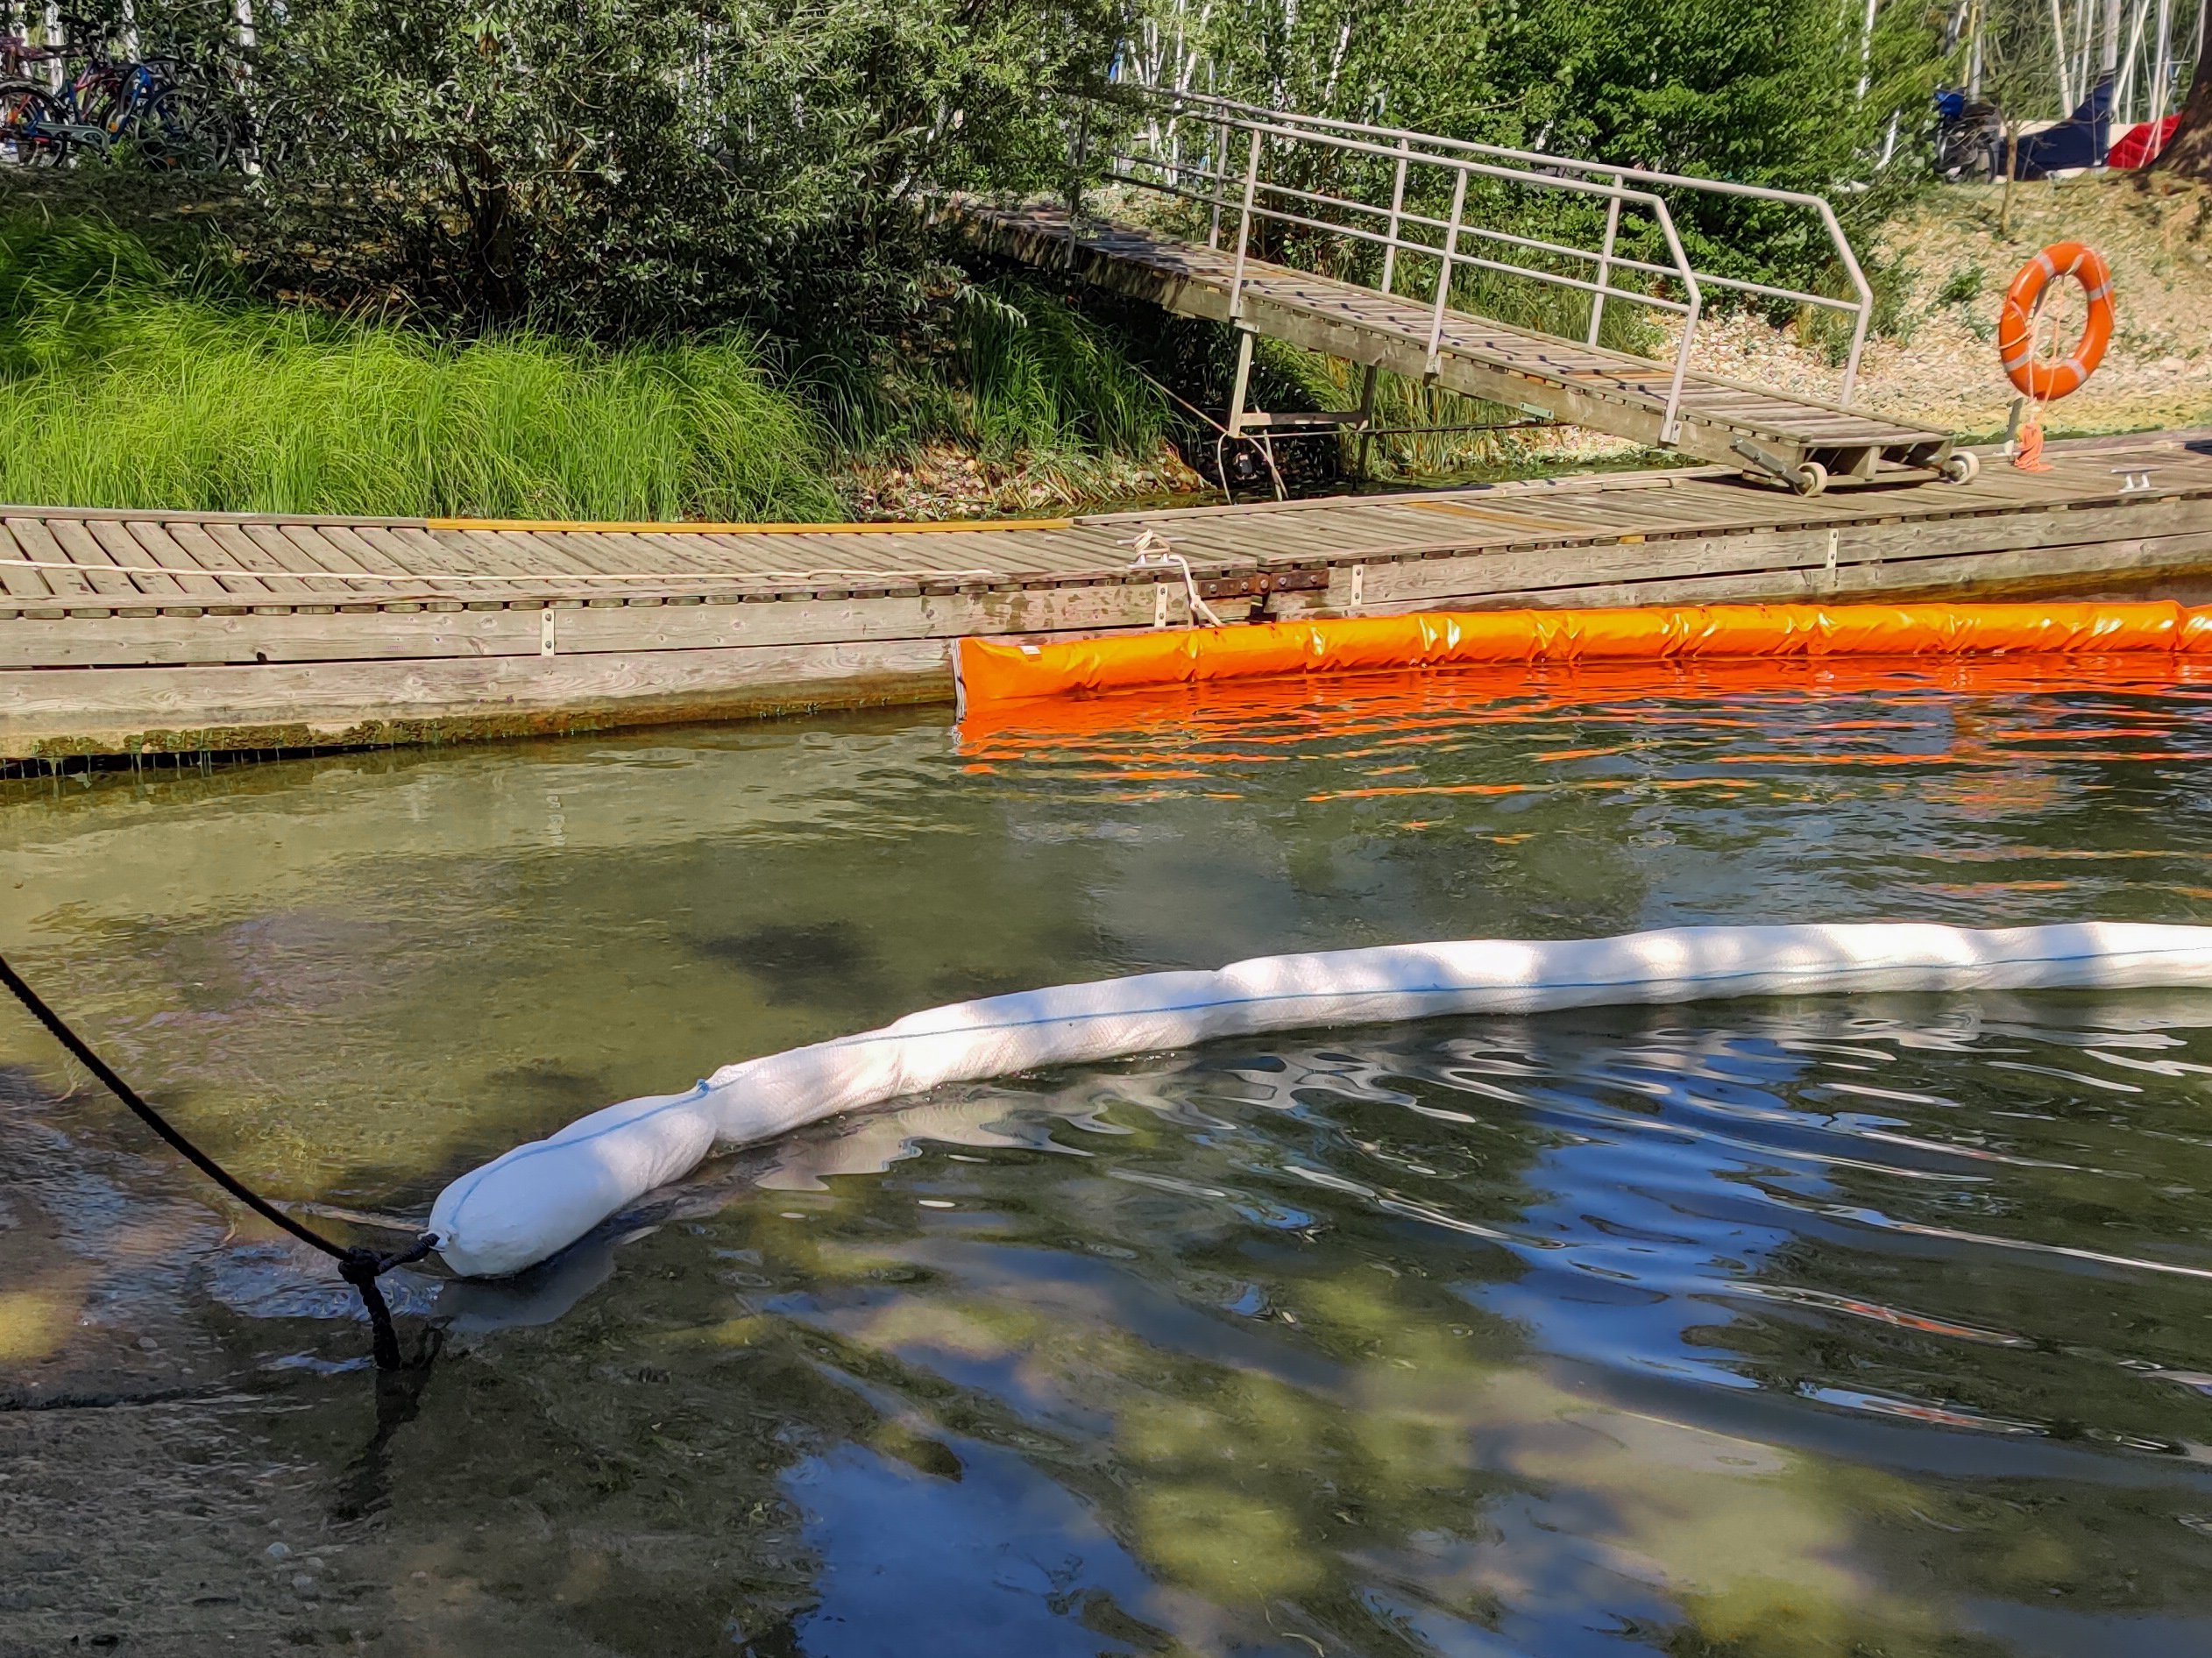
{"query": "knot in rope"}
pixel 361 1267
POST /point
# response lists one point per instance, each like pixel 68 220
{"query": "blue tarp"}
pixel 2078 141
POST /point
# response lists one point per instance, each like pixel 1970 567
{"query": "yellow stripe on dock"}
pixel 579 527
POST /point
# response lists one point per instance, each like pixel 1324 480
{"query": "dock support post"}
pixel 1244 381
pixel 1367 421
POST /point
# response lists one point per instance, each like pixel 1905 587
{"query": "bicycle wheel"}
pixel 94 99
pixel 182 127
pixel 30 125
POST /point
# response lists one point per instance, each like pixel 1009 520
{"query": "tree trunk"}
pixel 2190 154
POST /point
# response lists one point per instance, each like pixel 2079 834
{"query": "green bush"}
pixel 616 168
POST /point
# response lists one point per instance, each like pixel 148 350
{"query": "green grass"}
pixel 137 377
pixel 1011 373
pixel 142 372
pixel 136 369
pixel 1040 377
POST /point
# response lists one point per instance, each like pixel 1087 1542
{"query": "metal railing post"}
pixel 1244 231
pixel 1604 261
pixel 1397 217
pixel 1078 153
pixel 1216 175
pixel 1866 299
pixel 1671 422
pixel 1858 345
pixel 1444 274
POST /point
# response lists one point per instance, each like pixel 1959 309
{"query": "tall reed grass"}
pixel 1020 377
pixel 137 377
pixel 1040 377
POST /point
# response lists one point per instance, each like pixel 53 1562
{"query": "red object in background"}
pixel 2138 146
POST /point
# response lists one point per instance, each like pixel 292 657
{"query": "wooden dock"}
pixel 124 633
pixel 1721 421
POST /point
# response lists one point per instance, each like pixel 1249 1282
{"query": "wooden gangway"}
pixel 152 632
pixel 1532 374
pixel 1422 219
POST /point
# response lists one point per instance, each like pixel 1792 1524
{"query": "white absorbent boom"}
pixel 537 1199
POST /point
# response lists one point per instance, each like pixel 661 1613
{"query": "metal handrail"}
pixel 1400 216
pixel 1404 218
pixel 1538 168
pixel 1250 206
pixel 1391 245
pixel 1461 228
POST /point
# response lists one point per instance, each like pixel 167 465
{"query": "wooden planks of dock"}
pixel 1721 421
pixel 134 632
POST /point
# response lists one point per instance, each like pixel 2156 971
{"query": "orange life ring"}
pixel 2016 330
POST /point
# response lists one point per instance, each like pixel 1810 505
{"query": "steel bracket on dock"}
pixel 1277 581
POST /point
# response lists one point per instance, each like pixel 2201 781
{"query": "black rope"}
pixel 357 1266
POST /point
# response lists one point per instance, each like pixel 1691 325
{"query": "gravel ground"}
pixel 943 482
pixel 1948 263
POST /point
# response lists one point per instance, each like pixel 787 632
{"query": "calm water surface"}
pixel 1826 1327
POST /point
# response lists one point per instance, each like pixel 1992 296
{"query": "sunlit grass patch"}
pixel 131 381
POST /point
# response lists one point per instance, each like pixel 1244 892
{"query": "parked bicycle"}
pixel 34 123
pixel 153 109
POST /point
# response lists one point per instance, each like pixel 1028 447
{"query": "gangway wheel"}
pixel 1961 467
pixel 1810 478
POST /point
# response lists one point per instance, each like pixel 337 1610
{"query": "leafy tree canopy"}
pixel 623 164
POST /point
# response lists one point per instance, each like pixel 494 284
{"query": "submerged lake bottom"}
pixel 1827 1326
